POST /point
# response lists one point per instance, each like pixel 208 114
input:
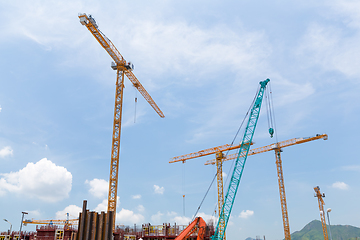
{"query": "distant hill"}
pixel 313 231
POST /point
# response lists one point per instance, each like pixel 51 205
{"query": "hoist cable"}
pixel 233 162
pixel 273 112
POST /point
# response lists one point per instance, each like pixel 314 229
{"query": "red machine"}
pixel 198 224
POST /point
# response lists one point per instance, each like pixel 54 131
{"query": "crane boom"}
pixel 55 221
pixel 274 146
pixel 239 164
pixel 143 92
pixel 123 68
pixel 205 152
pixel 110 48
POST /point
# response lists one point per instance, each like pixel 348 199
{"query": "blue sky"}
pixel 201 62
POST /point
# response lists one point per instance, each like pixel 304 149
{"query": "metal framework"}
pixel 67 222
pixel 277 147
pixel 239 164
pixel 205 152
pixel 322 212
pixel 123 68
pixel 274 146
pixel 282 195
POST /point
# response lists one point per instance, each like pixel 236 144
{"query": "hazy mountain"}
pixel 313 231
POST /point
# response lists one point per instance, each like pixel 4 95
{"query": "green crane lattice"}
pixel 239 164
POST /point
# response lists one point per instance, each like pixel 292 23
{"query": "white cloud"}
pixel 157 218
pixel 33 213
pixel 207 218
pixel 349 10
pixel 104 204
pixel 246 214
pixel 184 46
pixel 172 214
pixel 73 211
pixel 98 187
pixel 129 217
pixel 43 180
pixel 355 168
pixel 159 190
pixel 136 196
pixel 6 151
pixel 332 49
pixel 35 23
pixel 141 208
pixel 181 220
pixel 340 185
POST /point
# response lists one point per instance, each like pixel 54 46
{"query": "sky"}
pixel 201 61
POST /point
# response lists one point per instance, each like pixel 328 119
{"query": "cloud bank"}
pixel 43 180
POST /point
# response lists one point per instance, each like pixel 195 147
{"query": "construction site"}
pixel 91 225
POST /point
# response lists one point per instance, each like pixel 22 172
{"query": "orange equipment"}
pixel 198 224
pixel 321 208
pixel 275 146
pixel 123 68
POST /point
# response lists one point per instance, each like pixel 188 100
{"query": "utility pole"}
pixel 22 219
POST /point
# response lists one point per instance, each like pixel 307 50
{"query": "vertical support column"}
pixel 115 151
pixel 82 223
pixel 282 194
pixel 220 188
pixel 322 213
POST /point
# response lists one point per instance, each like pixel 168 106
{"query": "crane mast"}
pixel 239 164
pixel 321 208
pixel 282 195
pixel 122 68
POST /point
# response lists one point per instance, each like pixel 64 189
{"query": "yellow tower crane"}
pixel 122 68
pixel 321 202
pixel 220 159
pixel 66 223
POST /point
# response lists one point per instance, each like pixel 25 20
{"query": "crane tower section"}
pixel 321 202
pixel 123 68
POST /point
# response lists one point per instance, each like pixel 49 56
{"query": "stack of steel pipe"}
pixel 95 226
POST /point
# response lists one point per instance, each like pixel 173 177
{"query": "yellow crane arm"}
pixel 90 23
pixel 56 222
pixel 286 143
pixel 143 92
pixel 110 48
pixel 205 152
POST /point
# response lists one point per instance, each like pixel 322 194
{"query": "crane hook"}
pixel 271 131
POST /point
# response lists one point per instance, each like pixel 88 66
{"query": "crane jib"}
pixel 239 164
